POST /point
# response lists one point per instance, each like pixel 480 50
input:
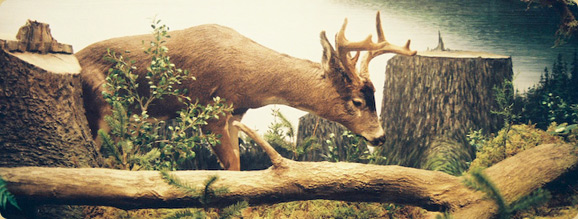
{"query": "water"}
pixel 292 27
pixel 506 27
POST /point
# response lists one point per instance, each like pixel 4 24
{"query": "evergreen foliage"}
pixel 134 142
pixel 186 214
pixel 480 182
pixel 281 135
pixel 252 156
pixel 209 192
pixel 6 197
pixel 205 196
pixel 233 210
pixel 176 182
pixel 554 98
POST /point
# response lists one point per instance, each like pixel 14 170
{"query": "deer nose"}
pixel 378 141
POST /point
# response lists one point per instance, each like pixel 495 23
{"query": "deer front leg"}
pixel 228 150
pixel 96 109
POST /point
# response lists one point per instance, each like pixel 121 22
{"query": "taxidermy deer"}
pixel 249 75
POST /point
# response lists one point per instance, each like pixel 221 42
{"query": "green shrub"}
pixel 134 142
pixel 554 98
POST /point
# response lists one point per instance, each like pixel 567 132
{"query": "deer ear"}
pixel 332 65
pixel 329 59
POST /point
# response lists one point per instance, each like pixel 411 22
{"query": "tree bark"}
pixel 289 180
pixel 42 121
pixel 436 97
pixel 41 108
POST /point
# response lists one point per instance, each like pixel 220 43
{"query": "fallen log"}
pixel 289 181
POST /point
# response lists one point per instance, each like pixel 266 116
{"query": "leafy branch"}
pixel 134 141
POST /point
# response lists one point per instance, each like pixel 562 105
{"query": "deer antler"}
pixel 387 48
pixel 344 47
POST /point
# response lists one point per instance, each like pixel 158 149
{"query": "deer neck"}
pixel 300 84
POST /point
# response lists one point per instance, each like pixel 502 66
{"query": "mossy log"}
pixel 437 97
pixel 289 180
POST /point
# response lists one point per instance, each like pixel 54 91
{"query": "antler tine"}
pixel 380 35
pixel 344 46
pixel 386 47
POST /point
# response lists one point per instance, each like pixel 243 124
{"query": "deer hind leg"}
pixel 228 151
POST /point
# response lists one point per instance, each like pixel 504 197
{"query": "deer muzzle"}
pixel 375 139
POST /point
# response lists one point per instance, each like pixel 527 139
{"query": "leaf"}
pixel 6 196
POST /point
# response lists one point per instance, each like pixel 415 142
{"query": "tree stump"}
pixel 41 108
pixel 432 100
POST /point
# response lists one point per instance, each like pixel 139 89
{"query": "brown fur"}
pixel 247 75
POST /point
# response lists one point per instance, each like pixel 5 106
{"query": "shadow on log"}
pixel 435 98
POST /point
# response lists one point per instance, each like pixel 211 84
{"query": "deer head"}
pixel 356 109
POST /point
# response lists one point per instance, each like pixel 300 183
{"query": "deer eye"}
pixel 357 102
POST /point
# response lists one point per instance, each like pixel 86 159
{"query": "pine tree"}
pixel 544 78
pixel 554 98
pixel 574 80
pixel 559 86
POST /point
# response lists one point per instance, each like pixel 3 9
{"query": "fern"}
pixel 284 123
pixel 480 182
pixel 538 197
pixel 187 214
pixel 233 210
pixel 205 197
pixel 210 193
pixel 176 182
pixel 6 197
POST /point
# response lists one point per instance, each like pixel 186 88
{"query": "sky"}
pixel 290 27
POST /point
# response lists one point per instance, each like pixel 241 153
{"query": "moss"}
pixel 333 209
pixel 518 138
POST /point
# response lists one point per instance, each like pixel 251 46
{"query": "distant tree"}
pixel 553 99
pixel 574 79
pixel 567 10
